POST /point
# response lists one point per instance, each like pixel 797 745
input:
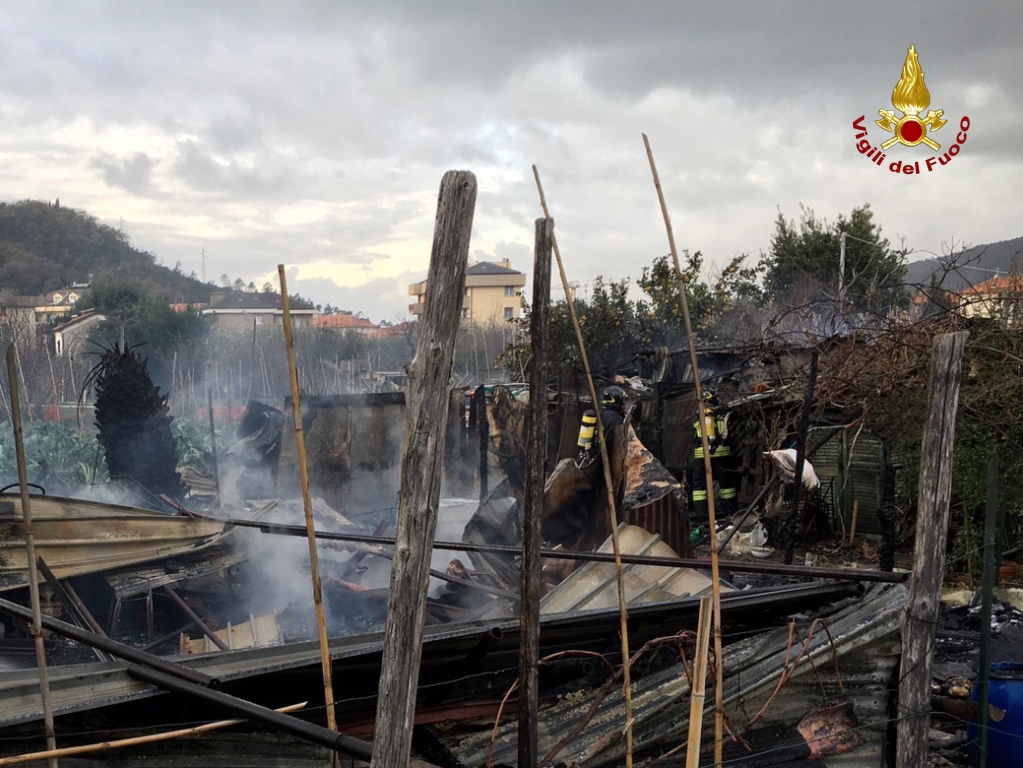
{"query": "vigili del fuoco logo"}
pixel 910 97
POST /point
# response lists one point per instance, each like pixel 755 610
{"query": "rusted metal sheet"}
pixel 866 641
pixel 80 537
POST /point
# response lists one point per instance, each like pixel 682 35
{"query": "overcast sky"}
pixel 315 134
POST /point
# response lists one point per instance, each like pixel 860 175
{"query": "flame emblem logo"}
pixel 911 97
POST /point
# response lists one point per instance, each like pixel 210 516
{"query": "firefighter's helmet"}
pixel 614 399
pixel 709 396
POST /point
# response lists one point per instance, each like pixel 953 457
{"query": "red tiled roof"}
pixel 997 285
pixel 343 322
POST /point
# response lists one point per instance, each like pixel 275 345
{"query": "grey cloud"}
pixel 131 174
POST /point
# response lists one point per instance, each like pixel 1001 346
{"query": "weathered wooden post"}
pixel 419 496
pixel 935 490
pixel 536 453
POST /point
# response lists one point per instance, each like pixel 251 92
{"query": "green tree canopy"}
pixel 809 252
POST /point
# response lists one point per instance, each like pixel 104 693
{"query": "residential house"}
pixel 59 303
pixel 72 335
pixel 239 312
pixel 344 322
pixel 493 291
pixel 1000 297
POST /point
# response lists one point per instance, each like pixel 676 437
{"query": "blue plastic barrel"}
pixel 1004 739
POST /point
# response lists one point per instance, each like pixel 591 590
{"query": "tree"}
pixel 811 251
pixel 134 424
pixel 713 309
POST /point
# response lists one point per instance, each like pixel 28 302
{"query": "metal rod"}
pixel 114 648
pixel 736 566
pixel 36 624
pixel 169 591
pixel 316 734
pixel 307 505
pixel 990 567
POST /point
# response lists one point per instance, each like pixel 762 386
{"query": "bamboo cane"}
pixel 612 512
pixel 698 691
pixel 134 741
pixel 701 410
pixel 852 528
pixel 314 564
pixel 30 553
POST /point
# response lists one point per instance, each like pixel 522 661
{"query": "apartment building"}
pixel 493 292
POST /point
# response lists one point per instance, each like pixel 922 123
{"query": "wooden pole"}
pixel 935 490
pixel 852 527
pixel 715 573
pixel 36 628
pixel 213 444
pixel 419 496
pixel 536 454
pixel 795 521
pixel 608 482
pixel 307 504
pixel 697 694
pixel 134 741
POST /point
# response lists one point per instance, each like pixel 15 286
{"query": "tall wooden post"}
pixel 935 490
pixel 419 496
pixel 536 453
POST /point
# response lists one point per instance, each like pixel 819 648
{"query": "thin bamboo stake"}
pixel 698 691
pixel 53 381
pixel 24 384
pixel 611 511
pixel 133 741
pixel 702 412
pixel 36 628
pixel 307 504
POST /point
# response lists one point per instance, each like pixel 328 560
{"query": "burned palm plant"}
pixel 134 423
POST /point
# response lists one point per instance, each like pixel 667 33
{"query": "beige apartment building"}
pixel 493 292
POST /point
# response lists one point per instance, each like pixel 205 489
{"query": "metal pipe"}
pixel 114 648
pixel 316 734
pixel 736 566
pixel 168 590
pixel 990 567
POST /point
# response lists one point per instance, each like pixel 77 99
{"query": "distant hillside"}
pixel 44 247
pixel 976 265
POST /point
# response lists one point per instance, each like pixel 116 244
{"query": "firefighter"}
pixel 612 414
pixel 722 461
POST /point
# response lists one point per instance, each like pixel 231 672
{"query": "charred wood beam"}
pixel 187 609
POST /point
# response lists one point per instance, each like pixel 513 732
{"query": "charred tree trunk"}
pixel 419 496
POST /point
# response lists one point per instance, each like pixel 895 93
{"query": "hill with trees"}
pixel 46 246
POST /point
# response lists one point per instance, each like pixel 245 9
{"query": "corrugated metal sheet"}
pixel 593 585
pixel 857 480
pixel 866 637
